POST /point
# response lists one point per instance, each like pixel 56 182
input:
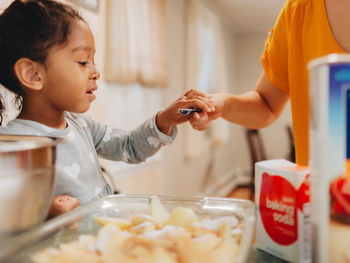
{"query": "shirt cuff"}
pixel 164 138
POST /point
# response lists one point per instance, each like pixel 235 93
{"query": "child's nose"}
pixel 95 74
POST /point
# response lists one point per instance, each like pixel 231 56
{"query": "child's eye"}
pixel 83 63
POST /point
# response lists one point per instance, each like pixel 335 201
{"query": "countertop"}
pixel 258 256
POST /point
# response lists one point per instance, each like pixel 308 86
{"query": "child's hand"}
pixel 62 204
pixel 171 116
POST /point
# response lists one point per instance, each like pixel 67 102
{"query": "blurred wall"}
pixel 249 48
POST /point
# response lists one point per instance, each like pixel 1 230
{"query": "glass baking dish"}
pixel 69 226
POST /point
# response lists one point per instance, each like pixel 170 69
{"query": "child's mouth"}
pixel 91 95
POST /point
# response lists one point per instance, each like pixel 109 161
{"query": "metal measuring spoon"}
pixel 189 111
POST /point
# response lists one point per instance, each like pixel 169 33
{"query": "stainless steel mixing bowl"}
pixel 27 171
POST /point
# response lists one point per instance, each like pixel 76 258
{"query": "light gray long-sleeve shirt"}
pixel 78 172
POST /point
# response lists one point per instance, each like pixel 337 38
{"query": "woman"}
pixel 304 30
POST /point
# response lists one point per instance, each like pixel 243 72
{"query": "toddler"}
pixel 47 60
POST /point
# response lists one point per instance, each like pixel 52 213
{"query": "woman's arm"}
pixel 254 109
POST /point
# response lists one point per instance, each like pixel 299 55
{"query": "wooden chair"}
pixel 291 155
pixel 257 153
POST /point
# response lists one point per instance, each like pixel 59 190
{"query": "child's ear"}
pixel 29 73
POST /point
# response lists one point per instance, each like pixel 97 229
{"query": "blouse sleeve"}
pixel 133 146
pixel 275 56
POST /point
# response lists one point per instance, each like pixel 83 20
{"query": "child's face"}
pixel 70 74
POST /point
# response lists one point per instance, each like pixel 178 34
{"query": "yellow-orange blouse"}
pixel 301 33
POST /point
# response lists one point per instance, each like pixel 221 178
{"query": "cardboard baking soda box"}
pixel 282 200
pixel 329 79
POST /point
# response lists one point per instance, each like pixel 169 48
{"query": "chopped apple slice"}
pixel 140 219
pixel 162 255
pixel 182 216
pixel 142 228
pixel 158 211
pixel 121 223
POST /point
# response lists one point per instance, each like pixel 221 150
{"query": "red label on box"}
pixel 278 209
pixel 303 193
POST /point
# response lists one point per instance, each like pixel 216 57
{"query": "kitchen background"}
pixel 214 45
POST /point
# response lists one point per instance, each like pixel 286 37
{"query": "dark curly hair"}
pixel 30 28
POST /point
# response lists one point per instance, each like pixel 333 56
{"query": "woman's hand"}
pixel 171 116
pixel 62 204
pixel 202 122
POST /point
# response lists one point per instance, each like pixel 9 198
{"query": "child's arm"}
pixel 62 204
pixel 137 145
pixel 171 116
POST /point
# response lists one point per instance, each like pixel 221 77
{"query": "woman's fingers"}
pixel 192 99
pixel 193 92
pixel 197 102
pixel 208 101
pixel 200 121
pixel 201 127
pixel 196 116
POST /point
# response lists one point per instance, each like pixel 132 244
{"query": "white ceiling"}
pixel 250 15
